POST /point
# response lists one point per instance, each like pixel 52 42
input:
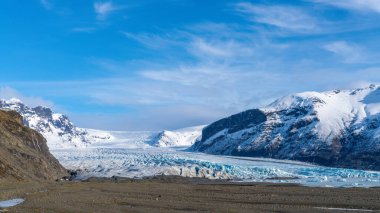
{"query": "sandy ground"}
pixel 175 194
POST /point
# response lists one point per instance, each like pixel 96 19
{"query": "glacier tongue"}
pixel 138 163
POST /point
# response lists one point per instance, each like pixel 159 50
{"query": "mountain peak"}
pixel 373 86
pixel 12 101
pixel 56 128
pixel 180 137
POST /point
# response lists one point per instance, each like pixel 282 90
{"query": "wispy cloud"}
pixel 7 92
pixel 289 18
pixel 349 53
pixel 154 41
pixel 217 48
pixel 47 4
pixel 104 9
pixel 205 42
pixel 203 76
pixel 359 5
pixel 84 29
pixel 203 47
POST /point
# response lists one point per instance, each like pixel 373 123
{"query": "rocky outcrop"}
pixel 234 123
pixel 24 154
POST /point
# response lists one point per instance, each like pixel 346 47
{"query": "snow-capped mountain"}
pixel 60 132
pixel 334 128
pixel 56 128
pixel 180 137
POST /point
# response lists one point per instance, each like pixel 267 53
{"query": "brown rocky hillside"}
pixel 24 154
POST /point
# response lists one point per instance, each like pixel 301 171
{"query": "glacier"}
pixel 153 161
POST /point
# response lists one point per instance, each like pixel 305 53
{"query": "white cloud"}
pixel 349 53
pixel 103 9
pixel 360 5
pixel 285 17
pixel 8 93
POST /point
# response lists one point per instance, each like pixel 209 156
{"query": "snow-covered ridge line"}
pixel 56 128
pixel 334 128
pixel 60 132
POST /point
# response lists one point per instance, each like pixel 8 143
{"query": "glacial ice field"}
pixel 144 162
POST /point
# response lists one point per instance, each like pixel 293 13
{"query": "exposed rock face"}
pixel 24 154
pixel 235 123
pixel 335 128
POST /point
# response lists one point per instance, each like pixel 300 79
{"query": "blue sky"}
pixel 149 65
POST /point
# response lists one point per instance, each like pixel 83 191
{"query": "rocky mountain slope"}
pixel 24 154
pixel 334 128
